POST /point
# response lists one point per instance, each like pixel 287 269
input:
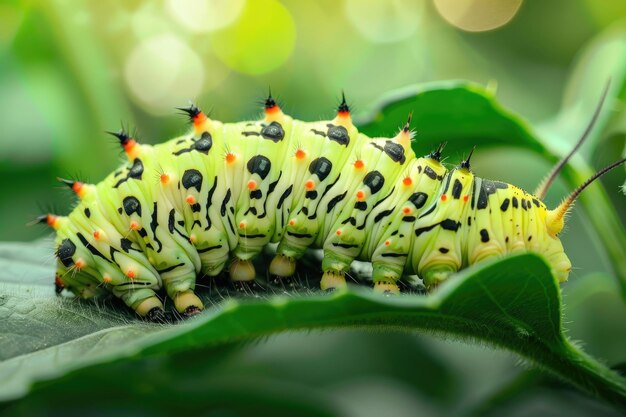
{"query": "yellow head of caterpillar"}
pixel 555 219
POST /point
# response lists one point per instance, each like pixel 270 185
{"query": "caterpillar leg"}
pixel 282 266
pixel 143 301
pixel 385 277
pixel 299 235
pixel 333 280
pixel 334 266
pixel 179 285
pixel 242 270
pixel 435 275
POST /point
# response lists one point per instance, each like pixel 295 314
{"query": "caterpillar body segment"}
pixel 214 198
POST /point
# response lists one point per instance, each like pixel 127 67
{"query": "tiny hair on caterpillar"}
pixel 212 199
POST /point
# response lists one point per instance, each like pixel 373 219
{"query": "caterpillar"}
pixel 215 197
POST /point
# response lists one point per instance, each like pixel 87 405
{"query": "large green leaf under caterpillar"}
pixel 513 303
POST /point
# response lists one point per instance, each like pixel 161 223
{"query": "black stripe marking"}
pixel 210 248
pixel 350 220
pixel 170 221
pixel 92 249
pixel 224 202
pixel 447 224
pixel 209 202
pixel 299 235
pixel 456 189
pixel 169 268
pixel 333 202
pixel 345 245
pixel 252 236
pixel 153 226
pixel 427 212
pixel 286 194
pixel 383 214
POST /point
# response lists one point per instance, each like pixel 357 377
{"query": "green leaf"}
pixel 460 113
pixel 513 303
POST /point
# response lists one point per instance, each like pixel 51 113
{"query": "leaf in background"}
pixel 601 61
pixel 460 113
pixel 512 303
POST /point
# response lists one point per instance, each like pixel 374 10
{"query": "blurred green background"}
pixel 70 70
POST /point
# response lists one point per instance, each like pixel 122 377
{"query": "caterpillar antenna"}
pixel 555 218
pixel 544 185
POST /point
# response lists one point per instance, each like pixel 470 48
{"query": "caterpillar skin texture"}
pixel 215 197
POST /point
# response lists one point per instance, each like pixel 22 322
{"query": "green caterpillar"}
pixel 216 196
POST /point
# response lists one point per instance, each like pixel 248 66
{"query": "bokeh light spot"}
pixel 477 15
pixel 162 71
pixel 205 15
pixel 260 40
pixel 384 21
pixel 9 22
